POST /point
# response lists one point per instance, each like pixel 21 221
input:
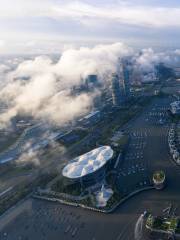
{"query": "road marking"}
pixel 7 190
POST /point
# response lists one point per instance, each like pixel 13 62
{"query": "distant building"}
pixel 87 84
pixel 177 72
pixel 91 81
pixel 68 138
pixel 149 77
pixel 126 73
pixel 90 119
pixel 165 72
pixel 136 75
pixel 117 95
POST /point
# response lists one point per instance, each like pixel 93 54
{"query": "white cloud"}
pixel 4 68
pixel 42 26
pixel 47 93
pixel 30 43
pixel 29 155
pixel 2 43
pixel 148 58
pixel 122 12
pixel 134 15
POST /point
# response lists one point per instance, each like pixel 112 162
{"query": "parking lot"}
pixel 146 134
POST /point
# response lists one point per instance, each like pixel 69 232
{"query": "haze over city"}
pixel 89 119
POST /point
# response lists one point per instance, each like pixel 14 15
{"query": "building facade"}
pixel 117 96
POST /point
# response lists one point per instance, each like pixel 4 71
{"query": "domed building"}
pixel 90 167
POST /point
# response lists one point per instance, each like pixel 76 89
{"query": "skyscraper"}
pixel 91 81
pixel 116 91
pixel 126 71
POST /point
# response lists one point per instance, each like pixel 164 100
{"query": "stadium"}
pixel 90 167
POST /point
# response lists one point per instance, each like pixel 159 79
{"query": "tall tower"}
pixel 91 81
pixel 126 71
pixel 116 91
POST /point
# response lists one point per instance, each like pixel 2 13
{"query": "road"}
pixel 148 151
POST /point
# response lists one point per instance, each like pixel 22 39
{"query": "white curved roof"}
pixel 88 162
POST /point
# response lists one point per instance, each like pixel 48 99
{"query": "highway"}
pixel 148 151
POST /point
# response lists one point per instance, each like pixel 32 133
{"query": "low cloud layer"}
pixel 43 89
pixel 148 58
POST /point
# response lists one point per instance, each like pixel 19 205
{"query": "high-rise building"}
pixel 126 72
pixel 136 75
pixel 117 96
pixel 91 81
pixel 87 84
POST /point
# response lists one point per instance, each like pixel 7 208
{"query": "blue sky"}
pixel 40 26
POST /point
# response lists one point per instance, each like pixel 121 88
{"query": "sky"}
pixel 50 26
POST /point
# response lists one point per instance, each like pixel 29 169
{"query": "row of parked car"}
pixel 173 144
